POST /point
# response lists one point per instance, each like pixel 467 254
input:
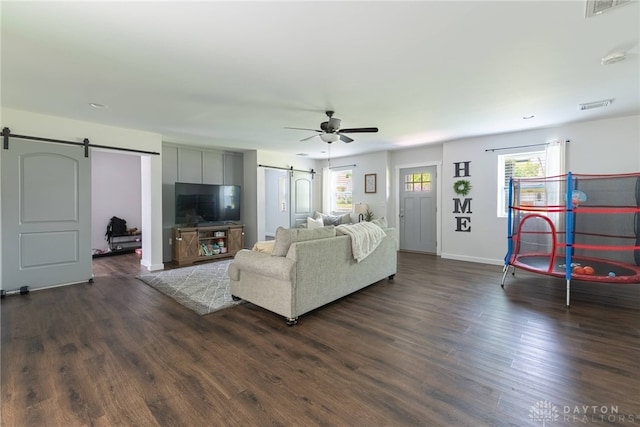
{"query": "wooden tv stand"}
pixel 195 244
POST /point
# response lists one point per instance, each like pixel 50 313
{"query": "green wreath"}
pixel 462 187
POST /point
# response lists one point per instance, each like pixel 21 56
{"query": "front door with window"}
pixel 418 222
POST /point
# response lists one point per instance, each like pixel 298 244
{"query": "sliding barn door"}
pixel 301 188
pixel 46 215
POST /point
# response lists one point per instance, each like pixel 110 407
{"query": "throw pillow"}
pixel 314 223
pixel 286 236
pixel 346 219
pixel 381 222
pixel 328 219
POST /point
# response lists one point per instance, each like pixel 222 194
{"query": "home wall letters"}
pixel 462 187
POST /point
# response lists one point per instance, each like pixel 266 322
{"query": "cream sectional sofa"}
pixel 309 268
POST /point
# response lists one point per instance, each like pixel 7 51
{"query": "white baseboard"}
pixel 151 267
pixel 473 259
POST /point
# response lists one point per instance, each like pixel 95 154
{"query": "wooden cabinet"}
pixel 195 244
pixel 236 240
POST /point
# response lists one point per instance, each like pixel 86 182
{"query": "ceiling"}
pixel 235 74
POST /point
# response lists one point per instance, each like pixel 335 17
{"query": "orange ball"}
pixel 588 270
pixel 578 270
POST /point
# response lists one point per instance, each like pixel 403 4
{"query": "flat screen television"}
pixel 203 204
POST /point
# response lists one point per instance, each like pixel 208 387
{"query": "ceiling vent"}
pixel 596 104
pixel 596 7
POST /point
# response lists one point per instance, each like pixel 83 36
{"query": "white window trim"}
pixel 327 203
pixel 555 164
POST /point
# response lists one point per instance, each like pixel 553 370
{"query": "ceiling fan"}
pixel 330 130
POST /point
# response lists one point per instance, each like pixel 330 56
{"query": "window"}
pixel 521 165
pixel 417 182
pixel 341 187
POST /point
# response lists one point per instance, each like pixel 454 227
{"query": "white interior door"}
pixel 418 205
pixel 301 198
pixel 46 215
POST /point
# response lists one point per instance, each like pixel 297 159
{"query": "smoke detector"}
pixel 596 7
pixel 596 104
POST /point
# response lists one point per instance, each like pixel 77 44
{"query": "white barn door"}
pixel 46 215
pixel 301 188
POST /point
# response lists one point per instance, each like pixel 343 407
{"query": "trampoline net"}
pixel 604 222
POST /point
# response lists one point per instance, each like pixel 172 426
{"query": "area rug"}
pixel 204 288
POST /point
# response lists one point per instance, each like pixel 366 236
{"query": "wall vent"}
pixel 596 104
pixel 596 7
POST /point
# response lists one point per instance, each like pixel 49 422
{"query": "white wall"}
pixel 27 123
pixel 373 163
pixel 252 199
pixel 604 146
pixel 115 191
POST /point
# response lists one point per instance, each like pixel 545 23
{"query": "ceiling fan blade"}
pixel 345 138
pixel 359 130
pixel 312 130
pixel 309 137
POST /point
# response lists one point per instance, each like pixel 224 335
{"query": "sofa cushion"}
pixel 286 236
pixel 333 219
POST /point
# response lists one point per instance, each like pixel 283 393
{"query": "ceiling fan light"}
pixel 329 137
pixel 614 57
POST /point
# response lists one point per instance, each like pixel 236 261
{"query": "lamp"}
pixel 329 137
pixel 360 209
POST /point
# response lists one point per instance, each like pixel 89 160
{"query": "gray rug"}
pixel 204 288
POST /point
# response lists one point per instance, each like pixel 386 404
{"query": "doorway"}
pixel 417 209
pixel 116 190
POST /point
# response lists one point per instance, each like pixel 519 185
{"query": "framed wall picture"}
pixel 370 183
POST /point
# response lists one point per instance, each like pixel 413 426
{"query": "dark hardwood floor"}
pixel 441 345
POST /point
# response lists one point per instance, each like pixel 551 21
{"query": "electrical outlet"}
pixel 170 241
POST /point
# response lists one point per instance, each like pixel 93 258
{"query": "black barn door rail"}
pixel 290 169
pixel 6 133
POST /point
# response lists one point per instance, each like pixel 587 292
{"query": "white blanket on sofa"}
pixel 365 238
